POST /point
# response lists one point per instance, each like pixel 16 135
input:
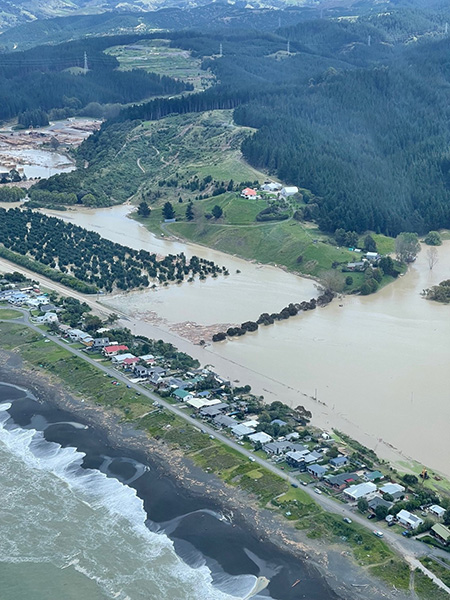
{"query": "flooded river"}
pixel 375 366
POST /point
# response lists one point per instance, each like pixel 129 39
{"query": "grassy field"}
pixel 394 572
pixel 439 570
pixel 9 313
pixel 157 56
pixel 426 589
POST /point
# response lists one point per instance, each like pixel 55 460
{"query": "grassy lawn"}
pixel 9 313
pixel 440 571
pixel 426 589
pixel 395 572
pixel 157 56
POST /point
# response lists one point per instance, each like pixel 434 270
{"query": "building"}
pixel 313 457
pixel 437 511
pixel 339 461
pixel 277 448
pixel 119 358
pixel 114 349
pixel 213 411
pixel 279 422
pixel 317 471
pixel 100 343
pixel 248 193
pixel 260 437
pixel 48 318
pixel 408 520
pixel 372 255
pixel 365 490
pixel 289 191
pixel 76 335
pixel 140 371
pixel 224 421
pixel 342 480
pixel 241 430
pixel 356 267
pixel 129 363
pixel 182 395
pixel 45 308
pixel 442 533
pixel 394 489
pixel 377 501
pixel 373 475
pixel 296 459
pixel 270 186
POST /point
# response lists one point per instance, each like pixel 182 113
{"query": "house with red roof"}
pixel 114 350
pixel 248 193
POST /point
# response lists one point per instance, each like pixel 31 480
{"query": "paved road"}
pixel 408 548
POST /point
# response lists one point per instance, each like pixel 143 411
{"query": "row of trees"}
pixel 84 255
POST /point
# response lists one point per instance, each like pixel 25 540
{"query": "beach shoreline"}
pixel 326 570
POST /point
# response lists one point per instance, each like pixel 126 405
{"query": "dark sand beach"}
pixel 207 521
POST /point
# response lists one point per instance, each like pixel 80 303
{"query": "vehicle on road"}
pixel 251 458
pixel 317 491
pixel 378 533
pixel 294 485
pixel 347 520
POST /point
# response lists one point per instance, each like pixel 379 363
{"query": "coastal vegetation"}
pixel 78 255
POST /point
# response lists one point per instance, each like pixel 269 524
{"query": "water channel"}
pixel 375 367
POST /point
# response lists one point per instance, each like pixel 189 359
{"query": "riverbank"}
pixel 275 546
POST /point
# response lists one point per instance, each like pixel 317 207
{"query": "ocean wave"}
pixel 99 492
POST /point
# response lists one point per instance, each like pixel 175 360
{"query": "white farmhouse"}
pixel 289 191
pixel 362 490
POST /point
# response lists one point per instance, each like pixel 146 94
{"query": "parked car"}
pixel 251 458
pixel 295 485
pixel 405 533
pixel 347 520
pixel 371 516
pixel 317 491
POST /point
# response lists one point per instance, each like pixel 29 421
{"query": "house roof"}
pixel 374 475
pixel 409 518
pixel 341 478
pixel 116 348
pixel 339 460
pixel 377 501
pixel 438 510
pixel 249 192
pixel 224 421
pixel 180 393
pixel 241 430
pixel 123 357
pixel 392 488
pixel 261 437
pixel 317 469
pixel 442 531
pixel 279 422
pixel 196 402
pixel 130 361
pixel 360 490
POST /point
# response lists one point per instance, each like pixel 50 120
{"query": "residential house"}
pixel 182 395
pixel 157 371
pixel 45 308
pixel 141 371
pixel 442 533
pixel 213 411
pixel 114 349
pixel 270 186
pixel 260 437
pixel 317 471
pixel 224 421
pixel 339 461
pixel 241 430
pixel 296 459
pixel 356 267
pixel 47 318
pixel 129 363
pixel 76 335
pixel 292 436
pixel 147 358
pixel 408 520
pixel 372 256
pixel 312 457
pixel 378 501
pixel 249 193
pixel 342 480
pixel 279 422
pixel 100 343
pixel 372 476
pixel 119 358
pixel 289 191
pixel 396 490
pixel 365 490
pixel 277 448
pixel 437 511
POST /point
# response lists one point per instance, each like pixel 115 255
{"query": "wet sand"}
pixel 183 501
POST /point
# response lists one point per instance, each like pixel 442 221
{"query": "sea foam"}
pixel 100 492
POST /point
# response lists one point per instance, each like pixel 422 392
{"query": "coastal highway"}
pixel 408 548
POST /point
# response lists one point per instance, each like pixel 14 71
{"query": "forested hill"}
pixel 357 111
pixel 51 77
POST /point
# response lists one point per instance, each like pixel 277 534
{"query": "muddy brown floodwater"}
pixel 376 367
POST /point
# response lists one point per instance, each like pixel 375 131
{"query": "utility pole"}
pixel 446 28
pixel 85 63
pixel 369 39
pixel 279 21
pixel 220 50
pixel 288 47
